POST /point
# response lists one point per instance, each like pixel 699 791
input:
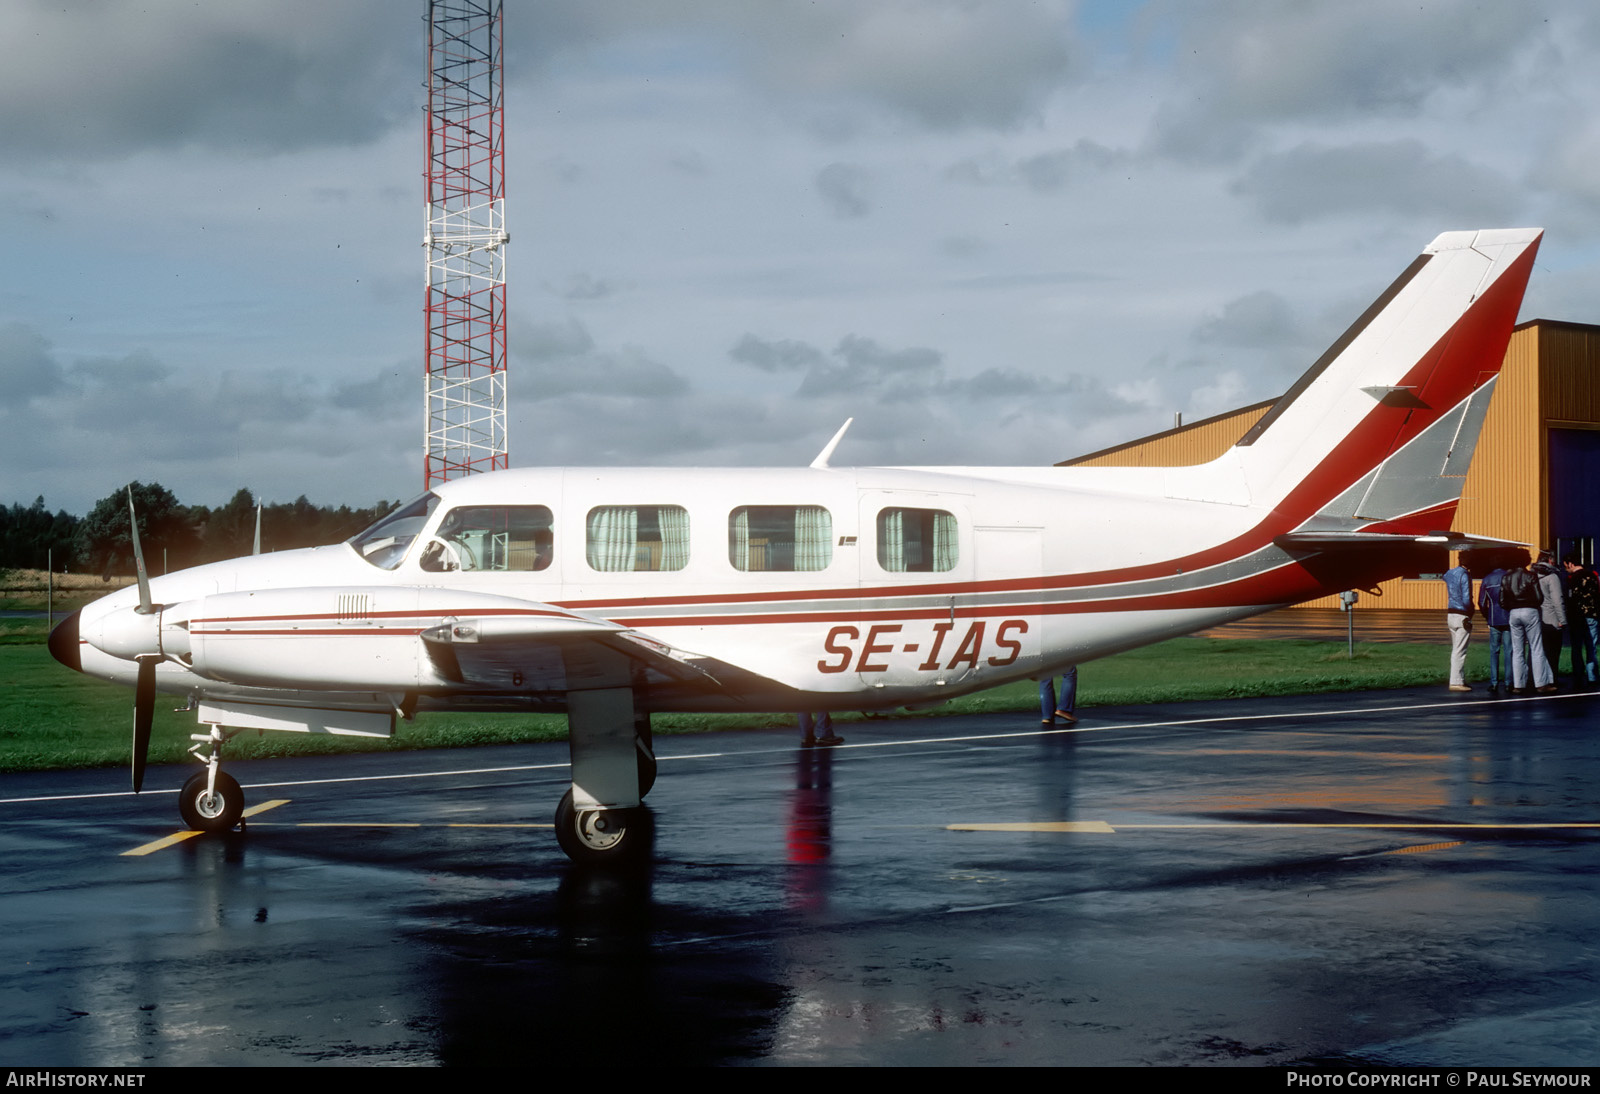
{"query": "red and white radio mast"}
pixel 465 429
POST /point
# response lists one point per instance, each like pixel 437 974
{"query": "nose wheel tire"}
pixel 601 836
pixel 206 811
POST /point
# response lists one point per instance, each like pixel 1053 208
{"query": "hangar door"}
pixel 1575 490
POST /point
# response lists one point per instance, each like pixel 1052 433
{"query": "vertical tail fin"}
pixel 1403 378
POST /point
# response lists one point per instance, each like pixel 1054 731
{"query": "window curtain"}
pixel 739 539
pixel 945 551
pixel 613 538
pixel 892 540
pixel 813 538
pixel 674 524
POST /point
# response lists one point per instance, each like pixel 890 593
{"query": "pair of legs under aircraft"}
pixel 613 761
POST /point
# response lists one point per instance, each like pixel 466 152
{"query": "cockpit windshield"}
pixel 385 543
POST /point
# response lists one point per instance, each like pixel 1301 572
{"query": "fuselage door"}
pixel 1004 627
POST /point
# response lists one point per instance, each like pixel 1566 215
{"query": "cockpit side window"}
pixel 384 544
pixel 491 537
pixel 780 537
pixel 917 540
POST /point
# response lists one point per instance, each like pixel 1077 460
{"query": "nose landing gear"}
pixel 211 800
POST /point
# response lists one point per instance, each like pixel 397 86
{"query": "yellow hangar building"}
pixel 1535 477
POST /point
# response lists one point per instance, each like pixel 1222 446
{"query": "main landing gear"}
pixel 600 820
pixel 210 800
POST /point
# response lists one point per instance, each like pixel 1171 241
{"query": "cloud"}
pixel 845 189
pixel 1246 64
pixel 387 389
pixel 862 365
pixel 586 286
pixel 28 370
pixel 1044 171
pixel 862 370
pixel 942 64
pixel 99 81
pixel 566 361
pixel 1261 319
pixel 783 355
pixel 1312 181
pixel 204 432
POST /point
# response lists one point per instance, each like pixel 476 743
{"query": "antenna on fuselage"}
pixel 821 462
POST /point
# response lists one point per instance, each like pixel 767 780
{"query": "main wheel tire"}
pixel 601 836
pixel 211 812
pixel 647 769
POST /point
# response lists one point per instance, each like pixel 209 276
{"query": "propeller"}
pixel 144 691
pixel 257 548
pixel 144 709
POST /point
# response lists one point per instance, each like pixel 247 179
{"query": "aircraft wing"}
pixel 560 651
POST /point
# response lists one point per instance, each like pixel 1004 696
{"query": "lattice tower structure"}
pixel 465 242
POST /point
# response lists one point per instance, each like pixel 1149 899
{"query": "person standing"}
pixel 1498 620
pixel 1553 611
pixel 1521 595
pixel 1458 584
pixel 816 730
pixel 1050 708
pixel 1583 616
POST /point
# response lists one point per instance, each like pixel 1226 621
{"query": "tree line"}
pixel 173 535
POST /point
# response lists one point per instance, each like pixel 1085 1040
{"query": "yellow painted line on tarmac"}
pixel 161 844
pixel 1103 828
pixel 1400 825
pixel 1426 847
pixel 178 837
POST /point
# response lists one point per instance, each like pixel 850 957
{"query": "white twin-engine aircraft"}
pixel 613 593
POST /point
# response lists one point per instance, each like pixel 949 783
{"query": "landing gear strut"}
pixel 600 819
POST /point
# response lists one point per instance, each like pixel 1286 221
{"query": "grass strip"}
pixel 52 718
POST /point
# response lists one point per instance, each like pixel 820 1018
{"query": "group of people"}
pixel 1528 609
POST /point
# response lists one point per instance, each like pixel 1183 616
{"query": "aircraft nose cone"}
pixel 63 643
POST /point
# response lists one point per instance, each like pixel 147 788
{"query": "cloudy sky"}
pixel 993 231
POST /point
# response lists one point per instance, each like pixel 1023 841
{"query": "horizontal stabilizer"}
pixel 1296 542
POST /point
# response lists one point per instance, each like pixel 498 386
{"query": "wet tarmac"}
pixel 1389 877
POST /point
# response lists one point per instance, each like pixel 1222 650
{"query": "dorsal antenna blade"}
pixel 821 462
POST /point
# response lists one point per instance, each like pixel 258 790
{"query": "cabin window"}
pixel 385 542
pixel 916 540
pixel 491 537
pixel 638 537
pixel 780 537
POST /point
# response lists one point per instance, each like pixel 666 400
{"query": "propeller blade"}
pixel 145 607
pixel 144 710
pixel 257 548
